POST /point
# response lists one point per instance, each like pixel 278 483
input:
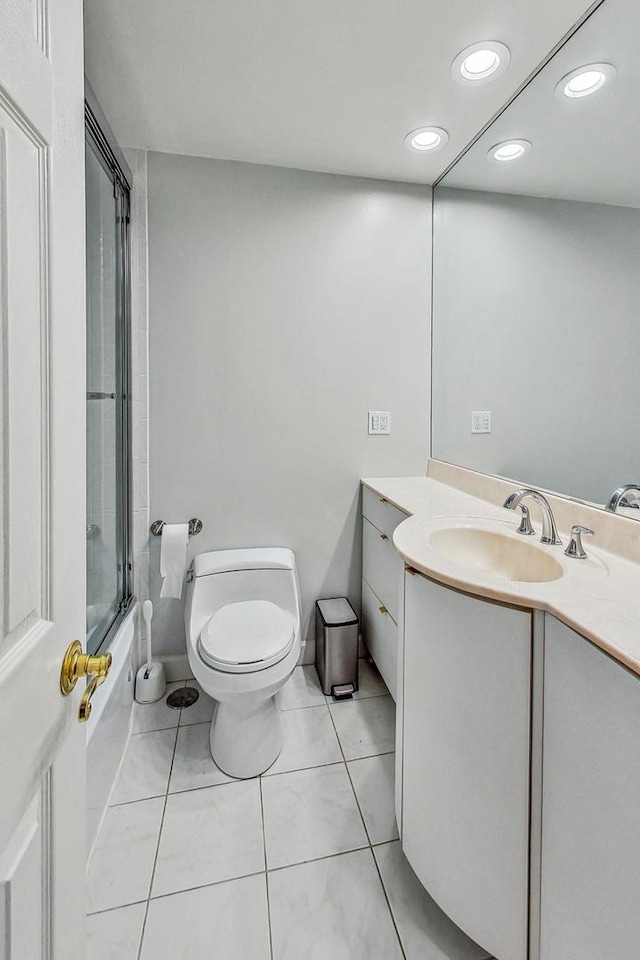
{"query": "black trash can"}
pixel 337 647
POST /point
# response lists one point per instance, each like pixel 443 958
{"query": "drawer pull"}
pixel 383 609
pixel 383 536
pixel 382 500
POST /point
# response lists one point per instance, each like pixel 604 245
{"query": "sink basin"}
pixel 496 554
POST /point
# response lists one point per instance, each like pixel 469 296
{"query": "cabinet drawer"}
pixel 380 512
pixel 380 633
pixel 381 566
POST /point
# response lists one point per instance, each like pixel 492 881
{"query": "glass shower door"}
pixel 108 576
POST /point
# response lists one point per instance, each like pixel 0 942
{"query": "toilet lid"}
pixel 246 636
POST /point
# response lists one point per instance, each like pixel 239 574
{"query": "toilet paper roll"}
pixel 173 558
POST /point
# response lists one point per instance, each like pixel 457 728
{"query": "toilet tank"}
pixel 230 576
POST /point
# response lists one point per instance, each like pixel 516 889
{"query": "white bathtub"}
pixel 108 725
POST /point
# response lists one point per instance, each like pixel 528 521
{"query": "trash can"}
pixel 337 647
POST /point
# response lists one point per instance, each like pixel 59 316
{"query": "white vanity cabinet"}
pixel 465 760
pixel 590 895
pixel 381 584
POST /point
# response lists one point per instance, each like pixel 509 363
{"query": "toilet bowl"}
pixel 242 622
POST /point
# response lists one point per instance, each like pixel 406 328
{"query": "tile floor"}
pixel 303 862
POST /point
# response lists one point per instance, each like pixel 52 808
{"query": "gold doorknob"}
pixel 77 664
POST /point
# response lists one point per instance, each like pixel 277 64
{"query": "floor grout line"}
pixel 226 783
pixel 376 696
pixel 243 876
pixel 370 847
pixel 204 886
pixel 386 896
pixel 325 856
pixel 329 763
pixel 266 880
pixel 155 858
pixel 353 789
pixel 122 906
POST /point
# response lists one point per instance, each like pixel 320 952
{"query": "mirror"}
pixel 536 302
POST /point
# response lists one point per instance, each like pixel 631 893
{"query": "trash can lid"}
pixel 337 612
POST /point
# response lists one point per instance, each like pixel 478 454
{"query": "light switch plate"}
pixel 379 422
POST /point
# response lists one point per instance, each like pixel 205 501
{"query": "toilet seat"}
pixel 246 636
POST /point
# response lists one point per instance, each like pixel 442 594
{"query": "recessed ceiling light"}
pixel 509 150
pixel 585 80
pixel 426 139
pixel 481 61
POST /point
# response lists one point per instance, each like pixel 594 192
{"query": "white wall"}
pixel 536 319
pixel 283 306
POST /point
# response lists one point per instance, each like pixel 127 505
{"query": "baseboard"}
pixel 176 667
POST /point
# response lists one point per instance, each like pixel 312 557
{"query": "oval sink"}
pixel 496 554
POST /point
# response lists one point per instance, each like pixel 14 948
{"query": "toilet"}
pixel 242 622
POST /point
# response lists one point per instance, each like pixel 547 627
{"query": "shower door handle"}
pixel 77 664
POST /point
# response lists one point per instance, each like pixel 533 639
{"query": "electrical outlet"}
pixel 481 421
pixel 379 422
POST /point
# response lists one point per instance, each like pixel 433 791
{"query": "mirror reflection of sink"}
pixel 496 554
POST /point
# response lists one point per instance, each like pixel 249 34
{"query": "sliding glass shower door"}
pixel 108 459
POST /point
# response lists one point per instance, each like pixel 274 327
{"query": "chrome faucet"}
pixel 549 530
pixel 619 498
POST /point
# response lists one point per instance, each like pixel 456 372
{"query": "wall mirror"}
pixel 536 307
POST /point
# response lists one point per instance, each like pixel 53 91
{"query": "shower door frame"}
pixel 99 135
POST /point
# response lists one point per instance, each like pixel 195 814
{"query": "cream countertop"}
pixel 598 597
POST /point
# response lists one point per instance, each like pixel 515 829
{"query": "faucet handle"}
pixel 575 548
pixel 525 527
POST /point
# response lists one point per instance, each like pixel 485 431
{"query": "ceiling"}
pixel 583 149
pixel 330 85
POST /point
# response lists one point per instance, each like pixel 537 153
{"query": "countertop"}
pixel 598 597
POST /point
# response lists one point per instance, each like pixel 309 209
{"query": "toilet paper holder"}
pixel 195 526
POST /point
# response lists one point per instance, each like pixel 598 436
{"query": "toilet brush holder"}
pixel 151 682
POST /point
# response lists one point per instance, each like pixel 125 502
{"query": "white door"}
pixel 42 471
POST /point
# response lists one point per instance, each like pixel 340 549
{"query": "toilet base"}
pixel 245 741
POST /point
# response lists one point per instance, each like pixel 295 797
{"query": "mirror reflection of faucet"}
pixel 621 498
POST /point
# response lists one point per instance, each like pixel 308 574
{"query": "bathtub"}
pixel 109 723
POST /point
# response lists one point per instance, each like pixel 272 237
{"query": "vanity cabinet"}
pixel 466 759
pixel 381 584
pixel 590 890
pixel 519 777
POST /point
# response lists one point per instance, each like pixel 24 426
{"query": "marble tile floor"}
pixel 303 862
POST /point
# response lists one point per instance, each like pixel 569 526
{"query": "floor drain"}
pixel 183 697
